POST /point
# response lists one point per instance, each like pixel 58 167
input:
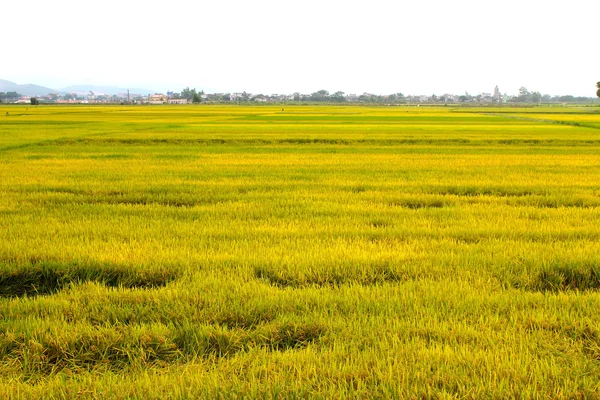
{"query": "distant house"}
pixel 140 100
pixel 237 96
pixel 73 101
pixel 177 101
pixel 158 99
pixel 259 98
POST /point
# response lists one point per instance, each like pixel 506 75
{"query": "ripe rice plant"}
pixel 331 252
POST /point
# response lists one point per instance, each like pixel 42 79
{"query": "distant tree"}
pixel 196 98
pixel 523 91
pixel 226 97
pixel 321 95
pixel 9 96
pixel 524 95
pixel 34 101
pixel 465 97
pixel 338 97
pixel 188 93
pixel 598 91
pixel 395 98
pixel 567 99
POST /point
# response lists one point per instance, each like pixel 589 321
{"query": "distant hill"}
pixel 104 90
pixel 25 90
pixel 36 90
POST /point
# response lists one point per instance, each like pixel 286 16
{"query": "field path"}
pixel 49 142
pixel 543 121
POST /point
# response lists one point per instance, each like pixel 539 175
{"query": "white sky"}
pixel 263 46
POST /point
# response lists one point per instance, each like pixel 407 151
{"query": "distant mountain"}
pixel 84 89
pixel 36 90
pixel 25 90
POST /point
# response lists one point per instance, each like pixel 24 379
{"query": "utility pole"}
pixel 128 101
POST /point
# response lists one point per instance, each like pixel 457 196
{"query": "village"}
pixel 189 96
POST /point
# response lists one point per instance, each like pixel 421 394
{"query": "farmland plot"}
pixel 206 251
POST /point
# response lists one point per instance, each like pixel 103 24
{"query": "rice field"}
pixel 299 252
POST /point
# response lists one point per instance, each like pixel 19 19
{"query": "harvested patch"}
pixel 332 274
pixel 207 340
pixel 39 277
pixel 469 237
pixel 590 339
pixel 289 335
pixel 582 335
pixel 557 276
pixel 48 350
pixel 558 202
pixel 111 156
pixel 415 204
pixel 236 318
pixel 144 201
pixel 172 200
pixel 569 277
pixel 358 189
pixel 108 348
pixel 215 341
pixel 244 141
pixel 484 191
pixel 167 197
pixel 379 223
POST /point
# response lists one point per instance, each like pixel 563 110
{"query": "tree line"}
pixel 189 94
pixel 524 96
pixel 9 97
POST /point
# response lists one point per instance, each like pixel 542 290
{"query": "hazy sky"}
pixel 262 46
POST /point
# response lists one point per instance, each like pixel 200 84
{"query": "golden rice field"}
pixel 312 252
